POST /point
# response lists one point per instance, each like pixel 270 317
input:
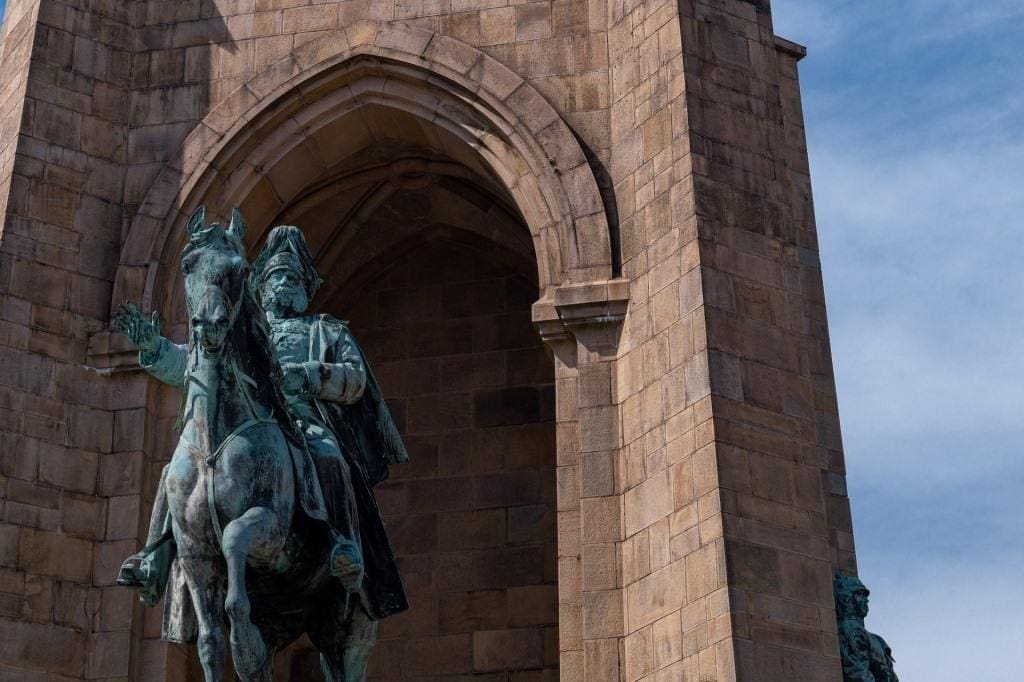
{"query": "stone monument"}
pixel 576 241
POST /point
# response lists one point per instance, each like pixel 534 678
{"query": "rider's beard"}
pixel 286 302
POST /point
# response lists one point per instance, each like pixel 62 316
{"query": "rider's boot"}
pixel 346 563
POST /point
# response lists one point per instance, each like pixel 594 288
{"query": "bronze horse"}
pixel 245 508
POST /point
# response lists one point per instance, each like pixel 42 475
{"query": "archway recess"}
pixel 279 134
pixel 370 115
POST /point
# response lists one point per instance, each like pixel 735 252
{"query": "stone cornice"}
pixel 790 48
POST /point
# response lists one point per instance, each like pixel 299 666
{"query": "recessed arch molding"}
pixel 243 152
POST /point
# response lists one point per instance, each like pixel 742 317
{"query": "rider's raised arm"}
pixel 343 379
pixel 167 363
pixel 164 360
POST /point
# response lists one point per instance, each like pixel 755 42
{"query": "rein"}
pixel 241 379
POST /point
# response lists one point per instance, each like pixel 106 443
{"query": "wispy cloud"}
pixel 914 113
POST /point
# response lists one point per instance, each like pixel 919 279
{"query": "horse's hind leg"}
pixel 345 648
pixel 360 636
pixel 258 528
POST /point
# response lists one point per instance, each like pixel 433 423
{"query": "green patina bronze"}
pixel 265 514
pixel 866 657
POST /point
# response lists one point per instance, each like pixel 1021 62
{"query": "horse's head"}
pixel 215 270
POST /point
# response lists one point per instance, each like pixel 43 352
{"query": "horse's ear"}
pixel 197 222
pixel 237 226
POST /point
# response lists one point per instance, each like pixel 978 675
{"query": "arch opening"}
pixel 286 139
pixel 433 247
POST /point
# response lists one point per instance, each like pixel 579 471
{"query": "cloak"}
pixel 369 442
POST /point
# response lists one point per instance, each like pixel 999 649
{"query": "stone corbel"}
pixel 592 311
pixel 108 352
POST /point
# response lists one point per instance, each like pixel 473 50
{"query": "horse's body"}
pixel 244 547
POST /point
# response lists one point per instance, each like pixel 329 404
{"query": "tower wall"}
pixel 700 482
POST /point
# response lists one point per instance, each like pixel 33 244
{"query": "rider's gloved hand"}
pixel 296 382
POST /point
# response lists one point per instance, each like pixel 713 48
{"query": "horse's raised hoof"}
pixel 347 564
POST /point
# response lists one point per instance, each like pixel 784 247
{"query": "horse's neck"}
pixel 216 403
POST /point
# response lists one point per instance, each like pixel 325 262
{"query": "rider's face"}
pixel 860 602
pixel 284 292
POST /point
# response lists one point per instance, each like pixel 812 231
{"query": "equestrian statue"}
pixel 265 519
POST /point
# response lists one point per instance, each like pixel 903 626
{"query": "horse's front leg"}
pixel 206 585
pixel 260 529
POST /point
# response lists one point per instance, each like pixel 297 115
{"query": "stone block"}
pixel 509 567
pixel 657 595
pixel 476 529
pixel 513 488
pixel 83 516
pixel 533 524
pixel 439 655
pixel 704 574
pixel 68 469
pixel 603 614
pixel 507 406
pixel 647 503
pixel 37 599
pixel 54 554
pixel 507 649
pixel 42 648
pixel 440 494
pixel 533 21
pixel 639 654
pixel 532 605
pixel 472 611
pixel 602 519
pixel 75 605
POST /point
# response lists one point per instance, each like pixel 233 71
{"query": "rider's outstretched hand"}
pixel 132 322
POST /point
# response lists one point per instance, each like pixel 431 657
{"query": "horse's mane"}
pixel 249 339
pixel 257 357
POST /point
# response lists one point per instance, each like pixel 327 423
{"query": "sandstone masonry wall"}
pixel 71 468
pixel 699 488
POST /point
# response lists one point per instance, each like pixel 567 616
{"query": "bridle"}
pixel 242 381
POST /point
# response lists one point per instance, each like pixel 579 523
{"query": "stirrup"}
pixel 136 572
pixel 146 572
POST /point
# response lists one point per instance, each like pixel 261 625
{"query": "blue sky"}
pixel 915 113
